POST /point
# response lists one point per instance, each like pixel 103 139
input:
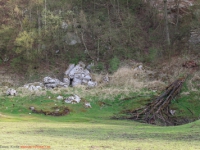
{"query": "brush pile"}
pixel 158 110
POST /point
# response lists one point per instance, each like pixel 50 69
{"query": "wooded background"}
pixel 38 33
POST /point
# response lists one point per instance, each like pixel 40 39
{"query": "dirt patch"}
pixel 56 111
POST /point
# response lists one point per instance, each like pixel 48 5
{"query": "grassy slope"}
pixel 89 128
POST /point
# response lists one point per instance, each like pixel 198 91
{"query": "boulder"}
pixel 87 105
pixel 71 66
pixel 76 81
pixel 11 92
pixel 73 99
pixel 53 82
pixel 92 84
pixel 59 97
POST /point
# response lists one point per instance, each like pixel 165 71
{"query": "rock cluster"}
pixel 73 76
pixel 34 86
pixel 53 82
pixel 78 75
pixel 73 99
pixel 11 92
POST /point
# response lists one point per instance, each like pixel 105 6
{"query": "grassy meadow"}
pixel 89 128
pixel 94 128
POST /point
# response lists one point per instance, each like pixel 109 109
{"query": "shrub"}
pixel 114 64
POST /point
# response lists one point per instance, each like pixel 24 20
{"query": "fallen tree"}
pixel 158 110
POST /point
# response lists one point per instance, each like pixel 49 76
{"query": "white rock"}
pixel 78 76
pixel 84 81
pixel 77 98
pixel 76 82
pixel 71 66
pixel 38 87
pixel 78 69
pixel 92 84
pixel 106 78
pixel 26 86
pixel 32 108
pixel 172 112
pixel 86 72
pixel 88 105
pixel 60 97
pixel 73 99
pixel 53 82
pixel 87 77
pixel 140 67
pixel 11 92
pixel 69 99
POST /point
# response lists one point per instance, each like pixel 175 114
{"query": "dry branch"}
pixel 158 110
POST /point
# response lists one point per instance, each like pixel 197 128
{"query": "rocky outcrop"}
pixel 78 75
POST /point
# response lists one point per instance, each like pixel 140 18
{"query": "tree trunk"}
pixel 166 23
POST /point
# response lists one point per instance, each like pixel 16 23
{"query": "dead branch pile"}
pixel 159 109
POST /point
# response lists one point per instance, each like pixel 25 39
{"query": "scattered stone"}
pixel 73 99
pixel 71 66
pixel 106 79
pixel 88 105
pixel 11 92
pixel 60 97
pixel 140 67
pixel 32 87
pixel 32 108
pixel 92 84
pixel 172 112
pixel 53 82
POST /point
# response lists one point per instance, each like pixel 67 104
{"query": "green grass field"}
pixel 109 134
pixel 93 128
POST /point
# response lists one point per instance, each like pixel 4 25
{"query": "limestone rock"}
pixel 53 82
pixel 60 97
pixel 87 105
pixel 36 86
pixel 71 66
pixel 73 99
pixel 11 92
pixel 92 84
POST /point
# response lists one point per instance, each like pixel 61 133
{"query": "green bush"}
pixel 114 64
pixel 153 54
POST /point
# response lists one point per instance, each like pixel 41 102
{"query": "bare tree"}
pixel 166 23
